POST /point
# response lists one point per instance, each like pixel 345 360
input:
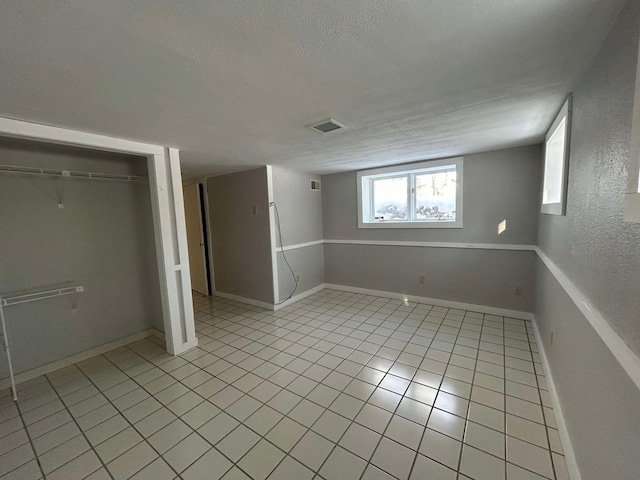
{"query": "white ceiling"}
pixel 232 83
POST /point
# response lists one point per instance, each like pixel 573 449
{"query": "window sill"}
pixel 409 225
pixel 632 208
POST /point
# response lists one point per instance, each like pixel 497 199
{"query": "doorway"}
pixel 197 239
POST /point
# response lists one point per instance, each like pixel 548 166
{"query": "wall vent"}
pixel 315 185
pixel 326 126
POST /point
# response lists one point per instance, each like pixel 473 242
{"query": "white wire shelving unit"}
pixel 16 297
pixel 47 172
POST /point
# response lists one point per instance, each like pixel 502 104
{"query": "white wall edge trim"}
pixel 480 246
pixel 79 357
pixel 629 361
pixel 239 298
pixel 434 301
pixel 300 296
pixel 565 439
pixel 296 246
pixel 394 243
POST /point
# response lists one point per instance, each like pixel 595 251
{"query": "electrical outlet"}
pixel 421 280
pixel 518 291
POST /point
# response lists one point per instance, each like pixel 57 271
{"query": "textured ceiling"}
pixel 232 83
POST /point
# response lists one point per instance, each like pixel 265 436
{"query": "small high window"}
pixel 556 162
pixel 422 195
pixel 632 201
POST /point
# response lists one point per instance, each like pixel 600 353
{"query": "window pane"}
pixel 390 198
pixel 436 196
pixel 554 166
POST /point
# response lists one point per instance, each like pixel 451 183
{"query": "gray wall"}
pixel 592 244
pixel 102 238
pixel 600 403
pixel 241 240
pixel 481 277
pixel 599 253
pixel 498 185
pixel 307 262
pixel 300 211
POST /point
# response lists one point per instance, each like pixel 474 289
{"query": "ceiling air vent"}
pixel 315 185
pixel 326 126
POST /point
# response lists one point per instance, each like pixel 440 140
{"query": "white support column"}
pixel 165 184
pixel 273 237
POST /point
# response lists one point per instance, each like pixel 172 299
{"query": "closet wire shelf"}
pixel 46 172
pixel 27 295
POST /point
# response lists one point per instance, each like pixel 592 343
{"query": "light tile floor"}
pixel 338 386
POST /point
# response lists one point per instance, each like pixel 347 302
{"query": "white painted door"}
pixel 195 239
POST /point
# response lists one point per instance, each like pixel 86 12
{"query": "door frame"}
pixel 208 234
pixel 204 215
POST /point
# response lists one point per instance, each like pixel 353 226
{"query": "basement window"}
pixel 556 162
pixel 419 195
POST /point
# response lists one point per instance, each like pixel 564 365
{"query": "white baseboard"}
pixel 380 293
pixel 300 296
pixel 569 454
pixel 270 306
pixel 238 298
pixel 78 357
pixel 157 333
pixel 435 301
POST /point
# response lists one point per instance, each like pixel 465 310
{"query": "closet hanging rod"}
pixel 47 172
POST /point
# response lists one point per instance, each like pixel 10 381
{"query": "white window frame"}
pixel 559 208
pixel 632 199
pixel 364 193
